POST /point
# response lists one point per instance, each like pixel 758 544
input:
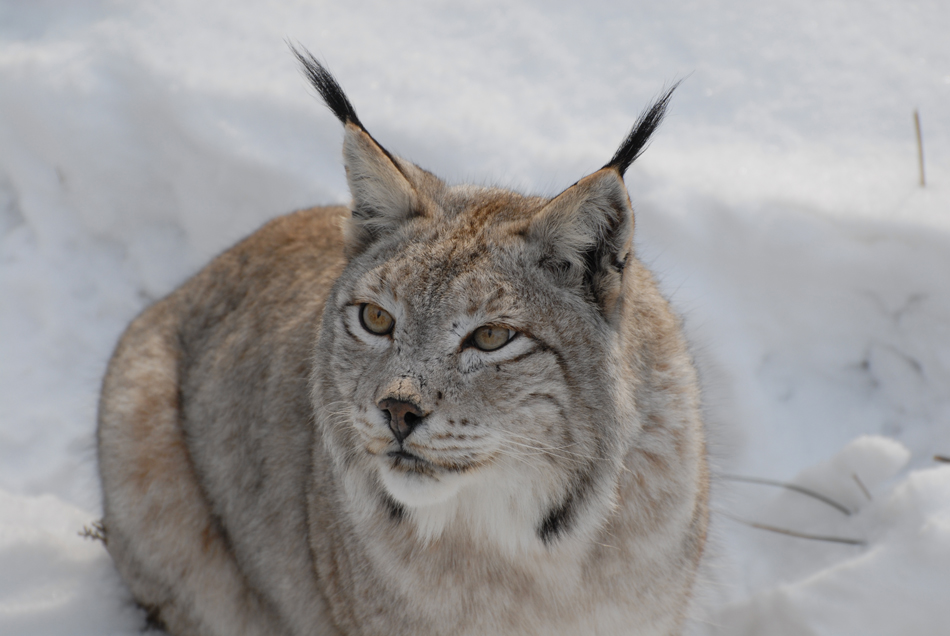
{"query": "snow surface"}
pixel 779 206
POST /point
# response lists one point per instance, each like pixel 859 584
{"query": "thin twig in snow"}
pixel 795 487
pixel 97 532
pixel 795 533
pixel 860 484
pixel 920 148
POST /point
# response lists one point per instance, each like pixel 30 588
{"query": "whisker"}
pixel 540 444
pixel 542 449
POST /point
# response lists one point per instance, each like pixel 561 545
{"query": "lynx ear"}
pixel 383 194
pixel 585 234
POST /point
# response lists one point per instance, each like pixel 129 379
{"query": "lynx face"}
pixel 472 372
pixel 469 363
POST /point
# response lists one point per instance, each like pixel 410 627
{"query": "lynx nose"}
pixel 403 416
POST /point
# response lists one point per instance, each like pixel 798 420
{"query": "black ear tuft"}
pixel 635 143
pixel 327 86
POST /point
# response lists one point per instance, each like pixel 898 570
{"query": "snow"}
pixel 778 204
pixel 895 584
pixel 54 581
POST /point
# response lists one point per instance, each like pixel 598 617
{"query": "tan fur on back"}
pixel 252 475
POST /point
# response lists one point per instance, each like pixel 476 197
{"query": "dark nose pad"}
pixel 403 416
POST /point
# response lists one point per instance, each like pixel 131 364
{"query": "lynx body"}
pixel 445 410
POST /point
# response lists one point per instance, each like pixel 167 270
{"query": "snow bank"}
pixel 55 581
pixel 895 583
pixel 778 205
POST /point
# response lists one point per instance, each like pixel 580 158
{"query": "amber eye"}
pixel 375 319
pixel 491 337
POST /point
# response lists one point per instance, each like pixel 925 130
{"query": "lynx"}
pixel 442 410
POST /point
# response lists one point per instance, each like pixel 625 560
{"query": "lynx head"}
pixel 477 364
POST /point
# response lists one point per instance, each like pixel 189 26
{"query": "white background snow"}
pixel 779 205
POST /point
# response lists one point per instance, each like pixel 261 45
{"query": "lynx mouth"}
pixel 404 454
pixel 404 460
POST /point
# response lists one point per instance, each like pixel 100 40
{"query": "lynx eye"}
pixel 375 319
pixel 491 337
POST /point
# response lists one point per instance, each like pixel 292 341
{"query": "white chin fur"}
pixel 416 491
